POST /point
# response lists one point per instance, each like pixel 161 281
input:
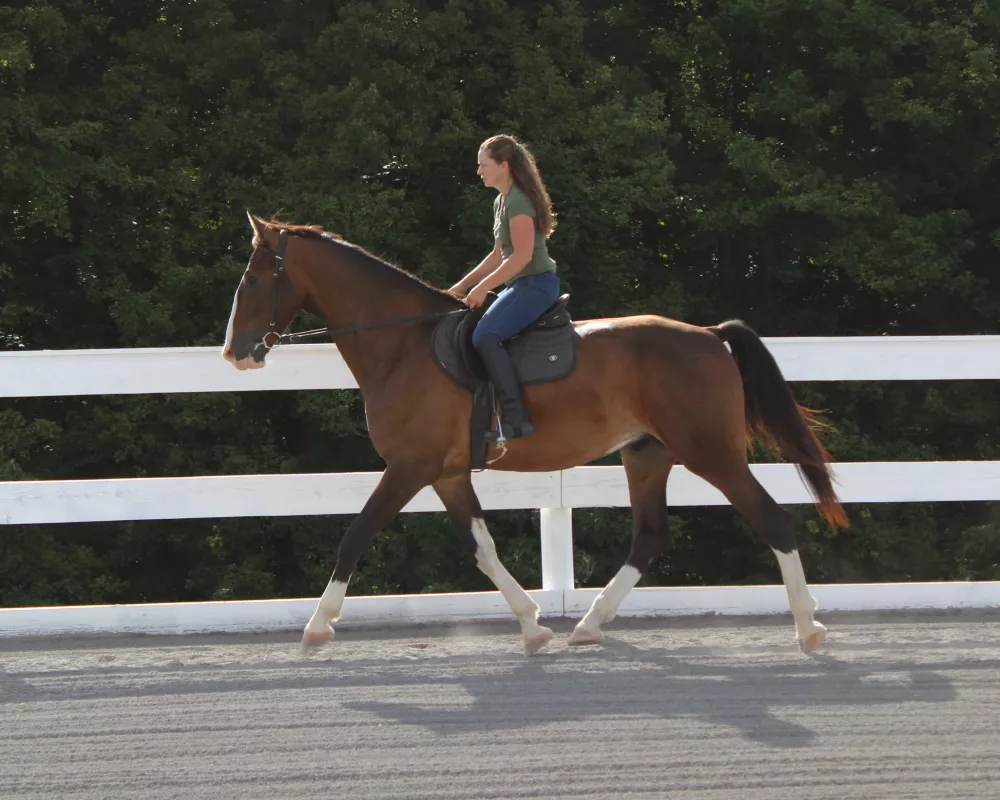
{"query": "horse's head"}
pixel 266 300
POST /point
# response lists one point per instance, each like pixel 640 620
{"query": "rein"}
pixel 294 337
pixel 282 338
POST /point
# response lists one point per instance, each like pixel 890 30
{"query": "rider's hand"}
pixel 477 296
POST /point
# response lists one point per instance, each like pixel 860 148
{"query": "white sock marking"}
pixel 800 601
pixel 329 607
pixel 605 605
pixel 520 602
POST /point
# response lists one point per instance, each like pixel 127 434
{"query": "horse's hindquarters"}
pixel 633 376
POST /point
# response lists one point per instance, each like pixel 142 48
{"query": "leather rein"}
pixel 284 338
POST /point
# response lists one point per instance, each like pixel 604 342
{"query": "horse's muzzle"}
pixel 259 352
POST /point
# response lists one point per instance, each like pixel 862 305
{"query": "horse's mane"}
pixel 395 276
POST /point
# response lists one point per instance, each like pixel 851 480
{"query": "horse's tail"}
pixel 775 418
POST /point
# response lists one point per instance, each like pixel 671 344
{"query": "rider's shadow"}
pixel 660 684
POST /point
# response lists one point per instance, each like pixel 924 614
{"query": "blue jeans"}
pixel 517 306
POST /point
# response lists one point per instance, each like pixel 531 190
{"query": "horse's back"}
pixel 655 330
pixel 637 349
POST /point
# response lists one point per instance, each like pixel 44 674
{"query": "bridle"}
pixel 263 347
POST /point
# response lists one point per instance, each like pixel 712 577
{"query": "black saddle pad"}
pixel 545 351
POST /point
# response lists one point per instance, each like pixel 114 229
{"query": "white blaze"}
pixel 229 328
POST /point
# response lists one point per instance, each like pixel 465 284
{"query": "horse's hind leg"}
pixel 647 467
pixel 772 523
pixel 459 498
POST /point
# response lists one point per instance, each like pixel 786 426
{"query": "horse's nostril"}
pixel 259 352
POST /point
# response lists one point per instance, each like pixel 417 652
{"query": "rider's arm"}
pixel 522 237
pixel 485 267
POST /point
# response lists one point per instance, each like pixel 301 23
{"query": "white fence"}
pixel 319 366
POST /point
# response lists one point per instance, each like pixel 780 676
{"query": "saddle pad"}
pixel 542 355
pixel 453 351
pixel 539 354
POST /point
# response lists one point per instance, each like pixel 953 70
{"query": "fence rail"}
pixel 44 502
pixel 165 370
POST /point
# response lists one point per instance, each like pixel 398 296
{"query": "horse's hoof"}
pixel 532 644
pixel 316 638
pixel 581 637
pixel 812 641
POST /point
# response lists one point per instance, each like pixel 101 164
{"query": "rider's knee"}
pixel 484 338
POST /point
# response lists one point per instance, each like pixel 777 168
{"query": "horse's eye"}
pixel 251 280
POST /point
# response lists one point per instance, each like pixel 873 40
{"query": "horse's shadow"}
pixel 658 683
pixel 763 701
pixel 14 688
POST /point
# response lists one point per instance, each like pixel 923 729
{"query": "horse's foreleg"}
pixel 647 467
pixel 395 489
pixel 466 514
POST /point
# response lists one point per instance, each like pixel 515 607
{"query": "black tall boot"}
pixel 497 361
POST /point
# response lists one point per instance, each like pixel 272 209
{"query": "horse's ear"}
pixel 255 224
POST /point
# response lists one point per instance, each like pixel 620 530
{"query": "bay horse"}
pixel 660 391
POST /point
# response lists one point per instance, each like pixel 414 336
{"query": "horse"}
pixel 660 391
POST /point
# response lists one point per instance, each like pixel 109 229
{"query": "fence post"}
pixel 557 549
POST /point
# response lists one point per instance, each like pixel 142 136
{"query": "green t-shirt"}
pixel 504 208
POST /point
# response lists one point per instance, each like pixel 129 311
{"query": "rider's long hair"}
pixel 525 174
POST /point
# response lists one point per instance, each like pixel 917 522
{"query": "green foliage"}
pixel 819 168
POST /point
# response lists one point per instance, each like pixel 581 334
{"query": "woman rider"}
pixel 522 220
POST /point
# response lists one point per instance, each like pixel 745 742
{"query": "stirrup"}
pixel 508 431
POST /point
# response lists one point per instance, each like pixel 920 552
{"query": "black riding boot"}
pixel 501 369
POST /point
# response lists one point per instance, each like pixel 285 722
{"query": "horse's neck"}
pixel 350 295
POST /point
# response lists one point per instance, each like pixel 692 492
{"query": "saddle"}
pixel 544 351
